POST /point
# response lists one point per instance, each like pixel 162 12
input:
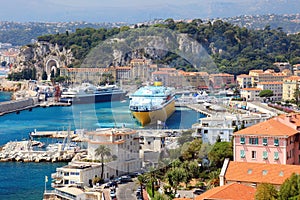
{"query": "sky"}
pixel 134 11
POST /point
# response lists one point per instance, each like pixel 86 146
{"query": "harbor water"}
pixel 26 180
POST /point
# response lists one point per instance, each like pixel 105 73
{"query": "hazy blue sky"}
pixel 138 10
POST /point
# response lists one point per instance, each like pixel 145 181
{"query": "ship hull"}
pixel 153 116
pixel 94 98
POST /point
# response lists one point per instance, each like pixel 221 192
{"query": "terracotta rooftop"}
pixel 272 127
pixel 222 74
pixel 233 191
pixel 167 69
pixel 293 78
pixel 252 89
pixel 266 83
pixel 243 76
pixel 274 174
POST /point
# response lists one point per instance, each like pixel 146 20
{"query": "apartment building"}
pixel 198 80
pixel 244 81
pixel 79 75
pixel 267 76
pixel 168 76
pixel 275 141
pixel 221 80
pixel 289 86
pixel 222 126
pixel 251 94
pixel 276 87
pixel 124 146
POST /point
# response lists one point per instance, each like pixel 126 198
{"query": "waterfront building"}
pixel 121 72
pixel 251 94
pixel 276 87
pixel 152 143
pixel 268 75
pixel 9 56
pixel 168 76
pixel 275 141
pixel 253 174
pixel 222 126
pixel 140 69
pixel 79 75
pixel 124 146
pixel 289 87
pixel 76 173
pixel 199 80
pixel 221 80
pixel 244 81
pixel 212 128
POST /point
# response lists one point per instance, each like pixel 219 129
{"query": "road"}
pixel 126 191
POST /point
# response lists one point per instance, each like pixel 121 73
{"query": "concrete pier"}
pixel 26 104
pixel 201 109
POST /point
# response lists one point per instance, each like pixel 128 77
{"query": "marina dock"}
pixel 75 136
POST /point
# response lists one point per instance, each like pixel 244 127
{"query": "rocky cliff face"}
pixel 43 56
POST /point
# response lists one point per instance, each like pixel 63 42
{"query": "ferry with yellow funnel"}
pixel 152 104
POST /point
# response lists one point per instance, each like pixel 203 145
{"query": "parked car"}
pixel 198 191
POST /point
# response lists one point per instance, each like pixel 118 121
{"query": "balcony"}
pixel 56 176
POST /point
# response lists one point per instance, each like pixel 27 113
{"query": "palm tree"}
pixel 142 179
pixel 103 151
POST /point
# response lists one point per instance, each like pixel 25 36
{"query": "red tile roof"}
pixel 269 83
pixel 243 76
pixel 271 127
pixel 293 78
pixel 274 174
pixel 252 89
pixel 233 191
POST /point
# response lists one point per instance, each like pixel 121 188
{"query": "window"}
pixel 253 154
pixel 276 157
pixel 242 153
pixel 205 131
pixel 264 172
pixel 276 142
pixel 265 155
pixel 253 141
pixel 265 141
pixel 242 140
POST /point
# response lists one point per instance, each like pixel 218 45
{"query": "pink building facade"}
pixel 275 141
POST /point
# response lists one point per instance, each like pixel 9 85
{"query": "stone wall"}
pixel 11 106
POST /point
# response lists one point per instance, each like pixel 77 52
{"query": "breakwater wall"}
pixel 17 105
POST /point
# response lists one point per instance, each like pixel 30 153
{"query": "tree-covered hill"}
pixel 234 49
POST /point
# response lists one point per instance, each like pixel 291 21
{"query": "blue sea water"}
pixel 5 96
pixel 26 180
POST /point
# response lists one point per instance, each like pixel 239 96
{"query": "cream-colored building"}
pixel 289 87
pixel 79 75
pixel 276 87
pixel 267 76
pixel 198 80
pixel 152 144
pixel 251 94
pixel 76 173
pixel 124 146
pixel 244 81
